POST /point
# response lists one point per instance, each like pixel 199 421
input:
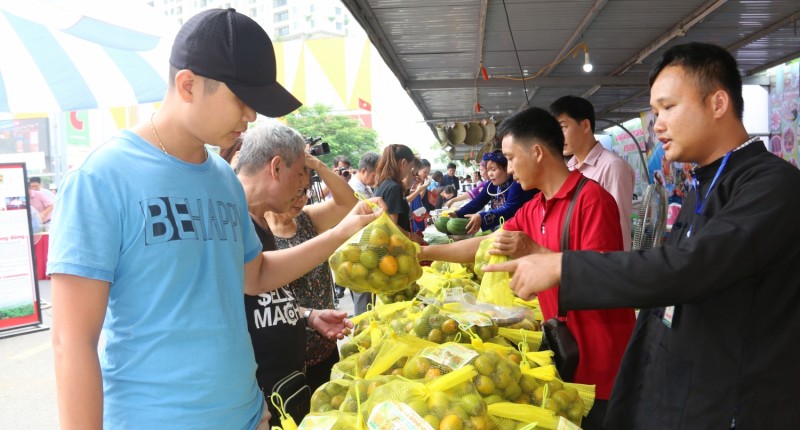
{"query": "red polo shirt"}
pixel 602 335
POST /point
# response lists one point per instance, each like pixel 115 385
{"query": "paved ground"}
pixel 27 377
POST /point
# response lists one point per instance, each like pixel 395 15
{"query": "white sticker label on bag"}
pixel 395 416
pixel 449 355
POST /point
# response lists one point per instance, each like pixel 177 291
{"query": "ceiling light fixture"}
pixel 587 65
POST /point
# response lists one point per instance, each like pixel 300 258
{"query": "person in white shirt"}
pixel 364 179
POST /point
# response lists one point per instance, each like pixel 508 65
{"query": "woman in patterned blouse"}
pixel 315 289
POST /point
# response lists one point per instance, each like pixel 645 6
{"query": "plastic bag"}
pixel 503 316
pixel 377 259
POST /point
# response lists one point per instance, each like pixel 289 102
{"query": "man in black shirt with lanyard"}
pixel 716 342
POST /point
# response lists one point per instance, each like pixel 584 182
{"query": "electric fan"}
pixel 649 231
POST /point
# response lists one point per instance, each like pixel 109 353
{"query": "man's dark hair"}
pixel 368 161
pixel 577 108
pixel 437 176
pixel 451 166
pixel 340 159
pixel 710 66
pixel 35 179
pixel 532 124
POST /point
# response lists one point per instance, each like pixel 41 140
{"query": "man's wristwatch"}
pixel 307 314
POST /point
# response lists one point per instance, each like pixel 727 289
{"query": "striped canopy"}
pixel 81 54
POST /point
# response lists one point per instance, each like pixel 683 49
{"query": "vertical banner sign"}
pixel 76 127
pixel 19 290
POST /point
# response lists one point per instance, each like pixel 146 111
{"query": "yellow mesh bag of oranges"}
pixel 541 387
pixel 494 285
pixel 446 402
pixel 330 395
pixel 513 416
pixel 380 314
pixel 360 391
pixel 355 366
pixel 362 341
pixel 438 324
pixel 393 354
pixel 404 295
pixel 377 259
pixel 445 276
pixel 532 339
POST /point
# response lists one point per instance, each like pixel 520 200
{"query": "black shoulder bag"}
pixel 295 393
pixel 557 336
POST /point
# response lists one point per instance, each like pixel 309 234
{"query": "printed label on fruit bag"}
pixel 311 422
pixel 449 355
pixel 395 416
pixel 472 319
pixel 565 424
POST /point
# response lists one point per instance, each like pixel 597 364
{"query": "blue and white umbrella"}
pixel 73 55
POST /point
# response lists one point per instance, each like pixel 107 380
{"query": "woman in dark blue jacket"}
pixel 504 194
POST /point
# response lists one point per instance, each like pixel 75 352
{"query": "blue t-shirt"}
pixel 172 239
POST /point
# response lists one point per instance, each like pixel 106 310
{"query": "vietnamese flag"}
pixel 363 104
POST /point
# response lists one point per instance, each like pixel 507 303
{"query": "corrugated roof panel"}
pixel 437 41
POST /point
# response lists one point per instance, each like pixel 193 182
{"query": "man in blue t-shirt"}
pixel 151 243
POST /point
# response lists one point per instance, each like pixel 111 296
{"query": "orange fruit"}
pixel 358 271
pixel 450 326
pixel 478 423
pixel 377 279
pixel 369 259
pixel 403 264
pixel 351 253
pixel 432 374
pixel 438 403
pixel 436 336
pixel 451 422
pixel 378 237
pixel 484 385
pixel 388 265
pixel 337 400
pixel 396 243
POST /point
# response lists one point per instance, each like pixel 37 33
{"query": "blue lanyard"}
pixel 700 204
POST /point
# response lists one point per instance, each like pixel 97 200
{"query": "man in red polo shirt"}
pixel 533 143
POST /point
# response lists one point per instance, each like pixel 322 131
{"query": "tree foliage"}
pixel 343 133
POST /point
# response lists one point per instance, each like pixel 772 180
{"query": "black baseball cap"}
pixel 229 47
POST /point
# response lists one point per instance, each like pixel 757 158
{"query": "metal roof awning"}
pixel 436 48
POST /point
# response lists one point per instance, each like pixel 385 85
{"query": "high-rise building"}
pixel 282 19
